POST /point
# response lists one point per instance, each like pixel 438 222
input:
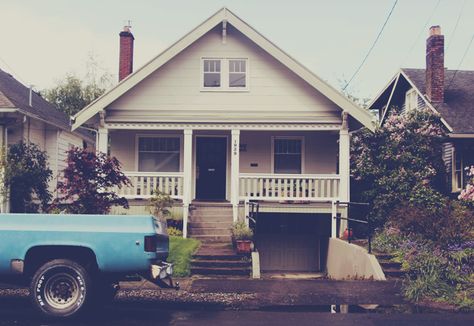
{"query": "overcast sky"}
pixel 43 40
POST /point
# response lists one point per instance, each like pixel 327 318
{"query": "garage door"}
pixel 290 242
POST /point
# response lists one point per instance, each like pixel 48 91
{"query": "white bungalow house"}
pixel 225 115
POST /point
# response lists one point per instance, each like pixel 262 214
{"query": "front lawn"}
pixel 181 251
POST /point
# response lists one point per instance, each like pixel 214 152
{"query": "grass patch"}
pixel 181 251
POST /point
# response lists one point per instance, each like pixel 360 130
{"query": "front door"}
pixel 211 168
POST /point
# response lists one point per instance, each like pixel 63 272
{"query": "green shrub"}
pixel 451 223
pixel 160 205
pixel 240 231
pixel 387 240
pixel 181 252
pixel 174 232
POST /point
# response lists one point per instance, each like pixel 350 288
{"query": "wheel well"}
pixel 37 256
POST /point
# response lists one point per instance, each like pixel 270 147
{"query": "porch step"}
pixel 210 231
pixel 212 213
pixel 394 272
pixel 212 238
pixel 220 271
pixel 214 262
pixel 390 265
pixel 210 224
pixel 381 256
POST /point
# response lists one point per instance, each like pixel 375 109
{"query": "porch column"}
pixel 234 173
pixel 187 177
pixel 344 167
pixel 102 140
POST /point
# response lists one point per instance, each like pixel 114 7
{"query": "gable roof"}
pixel 458 106
pixel 14 95
pixel 360 114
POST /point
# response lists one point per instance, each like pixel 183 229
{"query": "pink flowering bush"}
pixel 399 162
pixel 467 194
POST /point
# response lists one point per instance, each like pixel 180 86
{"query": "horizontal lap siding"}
pixel 173 92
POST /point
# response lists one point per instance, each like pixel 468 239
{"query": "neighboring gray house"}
pixel 26 116
pixel 447 92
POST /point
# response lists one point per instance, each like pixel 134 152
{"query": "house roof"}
pixel 14 95
pixel 360 114
pixel 458 106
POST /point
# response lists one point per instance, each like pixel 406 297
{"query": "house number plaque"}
pixel 235 147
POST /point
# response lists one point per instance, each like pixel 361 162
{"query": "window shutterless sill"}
pixel 224 90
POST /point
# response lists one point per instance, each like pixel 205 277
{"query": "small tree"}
pixel 26 176
pixel 400 162
pixel 88 183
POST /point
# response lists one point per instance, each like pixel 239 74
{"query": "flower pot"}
pixel 243 246
pixel 347 233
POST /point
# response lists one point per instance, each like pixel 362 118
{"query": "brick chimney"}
pixel 126 53
pixel 435 65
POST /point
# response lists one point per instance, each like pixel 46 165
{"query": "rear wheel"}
pixel 60 288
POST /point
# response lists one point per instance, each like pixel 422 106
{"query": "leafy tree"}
pixel 26 176
pixel 71 94
pixel 400 162
pixel 89 181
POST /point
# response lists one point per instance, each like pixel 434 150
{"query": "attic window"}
pixel 224 74
pixel 411 100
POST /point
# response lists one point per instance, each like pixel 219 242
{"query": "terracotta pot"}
pixel 244 246
pixel 346 234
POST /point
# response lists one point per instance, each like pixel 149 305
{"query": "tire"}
pixel 60 288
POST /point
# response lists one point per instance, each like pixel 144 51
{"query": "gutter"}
pixel 461 136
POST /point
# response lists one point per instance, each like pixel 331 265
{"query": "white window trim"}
pixel 138 136
pixel 303 150
pixel 225 75
pixel 454 186
pixel 408 96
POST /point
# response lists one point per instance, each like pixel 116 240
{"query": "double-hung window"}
pixel 225 74
pixel 287 155
pixel 411 100
pixel 158 154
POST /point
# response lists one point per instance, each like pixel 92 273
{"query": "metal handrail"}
pixel 348 219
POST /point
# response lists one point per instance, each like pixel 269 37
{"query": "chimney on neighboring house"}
pixel 126 53
pixel 435 65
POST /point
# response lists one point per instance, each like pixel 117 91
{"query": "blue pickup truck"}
pixel 72 262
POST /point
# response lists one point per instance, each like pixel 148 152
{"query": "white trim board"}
pixel 360 114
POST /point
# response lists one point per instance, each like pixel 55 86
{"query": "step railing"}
pixel 276 187
pixel 144 183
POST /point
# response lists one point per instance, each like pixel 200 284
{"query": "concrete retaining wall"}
pixel 348 261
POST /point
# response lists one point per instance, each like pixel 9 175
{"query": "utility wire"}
pixel 421 32
pixel 460 62
pixel 13 72
pixel 456 25
pixel 373 45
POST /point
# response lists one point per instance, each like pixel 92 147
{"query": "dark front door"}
pixel 211 168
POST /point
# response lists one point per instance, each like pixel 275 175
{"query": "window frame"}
pixel 455 187
pixel 409 96
pixel 137 150
pixel 225 75
pixel 302 139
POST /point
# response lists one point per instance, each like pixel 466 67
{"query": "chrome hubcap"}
pixel 61 291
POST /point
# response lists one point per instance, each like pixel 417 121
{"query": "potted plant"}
pixel 242 236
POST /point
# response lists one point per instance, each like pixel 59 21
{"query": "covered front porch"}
pixel 290 164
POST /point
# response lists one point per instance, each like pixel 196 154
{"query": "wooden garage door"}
pixel 290 252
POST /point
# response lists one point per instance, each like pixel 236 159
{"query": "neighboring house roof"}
pixel 360 114
pixel 14 95
pixel 458 106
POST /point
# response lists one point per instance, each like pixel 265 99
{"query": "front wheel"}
pixel 60 288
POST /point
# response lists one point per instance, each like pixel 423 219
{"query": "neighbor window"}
pixel 212 73
pixel 158 154
pixel 463 159
pixel 411 99
pixel 225 74
pixel 287 156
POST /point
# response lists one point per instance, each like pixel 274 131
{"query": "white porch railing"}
pixel 273 187
pixel 144 183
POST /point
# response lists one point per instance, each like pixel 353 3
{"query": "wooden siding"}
pixel 173 93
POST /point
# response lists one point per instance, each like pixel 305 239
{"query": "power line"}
pixel 373 45
pixel 13 72
pixel 421 32
pixel 460 62
pixel 456 25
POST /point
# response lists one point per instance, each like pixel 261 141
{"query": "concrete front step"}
pixel 207 224
pixel 390 265
pixel 218 263
pixel 212 238
pixel 394 272
pixel 383 256
pixel 220 271
pixel 210 219
pixel 210 231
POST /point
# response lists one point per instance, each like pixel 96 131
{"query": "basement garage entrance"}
pixel 292 242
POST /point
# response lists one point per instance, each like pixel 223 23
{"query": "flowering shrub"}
pixel 88 182
pixel 26 173
pixel 400 162
pixel 467 193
